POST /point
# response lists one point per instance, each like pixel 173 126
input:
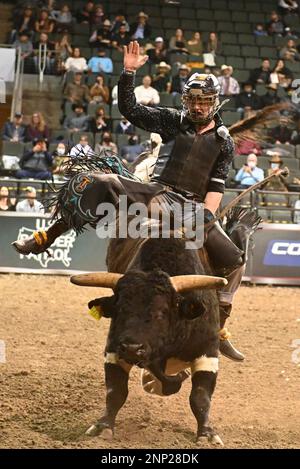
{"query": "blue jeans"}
pixel 27 173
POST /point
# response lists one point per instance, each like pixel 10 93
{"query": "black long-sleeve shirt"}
pixel 169 122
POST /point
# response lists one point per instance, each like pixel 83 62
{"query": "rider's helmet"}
pixel 200 98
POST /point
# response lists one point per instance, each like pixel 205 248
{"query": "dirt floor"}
pixel 52 384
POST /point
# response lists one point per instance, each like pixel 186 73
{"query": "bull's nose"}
pixel 131 348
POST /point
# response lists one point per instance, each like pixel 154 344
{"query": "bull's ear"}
pixel 190 307
pixel 105 306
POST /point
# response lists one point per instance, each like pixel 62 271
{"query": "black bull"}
pixel 165 319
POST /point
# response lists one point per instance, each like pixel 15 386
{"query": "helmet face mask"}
pixel 200 98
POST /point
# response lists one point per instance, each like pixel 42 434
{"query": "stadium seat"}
pixel 166 99
pixel 250 51
pixel 239 16
pixel 12 148
pixel 246 39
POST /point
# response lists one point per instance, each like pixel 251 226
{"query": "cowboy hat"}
pixel 163 65
pixel 141 13
pixel 275 158
pixel 225 67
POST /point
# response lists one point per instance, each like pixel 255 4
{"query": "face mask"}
pixel 60 151
pixel 251 164
pixel 274 165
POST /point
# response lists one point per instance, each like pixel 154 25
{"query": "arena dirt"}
pixel 52 384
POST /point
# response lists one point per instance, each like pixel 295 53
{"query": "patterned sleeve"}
pixel 221 169
pixel 158 120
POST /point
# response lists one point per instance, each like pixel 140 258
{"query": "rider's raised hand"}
pixel 132 58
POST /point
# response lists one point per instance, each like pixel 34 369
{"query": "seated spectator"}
pixel 63 50
pixel 63 18
pixel 144 165
pixel 98 16
pixel 5 201
pixel 277 183
pixel 100 63
pixel 145 94
pixel 261 75
pixel 50 57
pixel 247 98
pixel 82 148
pixel 125 127
pixel 158 53
pixel 260 30
pixel 161 80
pixel 102 37
pixel 287 6
pixel 77 92
pixel 281 133
pixel 271 96
pixel 121 38
pixel 289 52
pixel 213 44
pixel 119 19
pixel 295 136
pixel 275 26
pixel 178 43
pixel 36 163
pixel 14 131
pixel 76 63
pixel 24 42
pixel 85 15
pixel 229 85
pixel 195 45
pixel 30 204
pixel 60 156
pixel 178 81
pixel 244 147
pixel 100 122
pixel 99 91
pixel 44 24
pixel 79 122
pixel 281 75
pixel 249 174
pixel 140 29
pixel 37 128
pixel 22 23
pixel 106 144
pixel 130 152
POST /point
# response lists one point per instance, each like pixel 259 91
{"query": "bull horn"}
pixel 183 283
pixel 96 279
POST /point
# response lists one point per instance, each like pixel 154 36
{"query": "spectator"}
pixel 5 201
pixel 63 18
pixel 247 98
pixel 277 183
pixel 178 43
pixel 37 127
pixel 25 44
pixel 261 75
pixel 130 152
pixel 79 122
pixel 14 131
pixel 229 85
pixel 260 30
pixel 102 37
pixel 158 53
pixel 30 204
pixel 161 81
pixel 77 92
pixel 271 96
pixel 99 91
pixel 50 58
pixel 82 148
pixel 100 122
pixel 195 45
pixel 140 29
pixel 85 15
pixel 59 156
pixel 244 147
pixel 44 24
pixel 23 23
pixel 100 64
pixel 106 144
pixel 281 133
pixel 249 174
pixel 76 63
pixel 119 19
pixel 125 127
pixel 287 6
pixel 144 167
pixel 36 163
pixel 114 95
pixel 275 26
pixel 97 16
pixel 121 38
pixel 289 52
pixel 281 75
pixel 145 94
pixel 63 50
pixel 213 44
pixel 178 81
pixel 295 136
